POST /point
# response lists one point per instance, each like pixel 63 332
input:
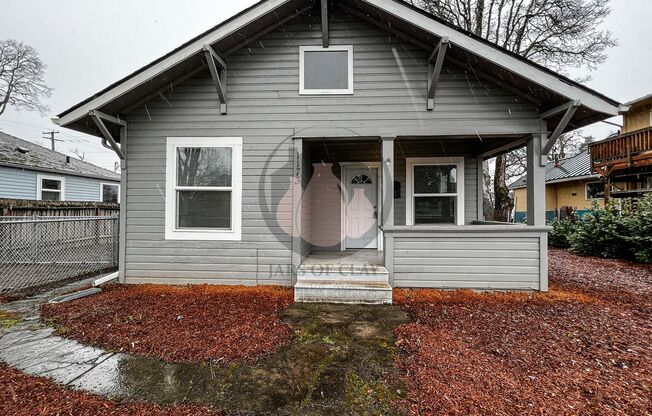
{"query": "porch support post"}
pixel 324 23
pixel 387 196
pixel 536 181
pixel 480 188
pixel 388 181
pixel 297 193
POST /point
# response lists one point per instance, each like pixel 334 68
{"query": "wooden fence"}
pixel 29 208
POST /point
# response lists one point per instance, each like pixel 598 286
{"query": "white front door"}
pixel 361 210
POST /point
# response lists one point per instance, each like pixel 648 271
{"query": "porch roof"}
pixel 477 56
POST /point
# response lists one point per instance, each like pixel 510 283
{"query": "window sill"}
pixel 203 235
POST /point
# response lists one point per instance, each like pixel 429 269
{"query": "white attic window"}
pixel 324 71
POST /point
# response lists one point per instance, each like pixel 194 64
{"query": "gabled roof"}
pixel 640 101
pixel 19 153
pixel 548 88
pixel 569 169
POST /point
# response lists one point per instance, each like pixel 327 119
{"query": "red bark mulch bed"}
pixel 7 299
pixel 584 348
pixel 180 324
pixel 23 395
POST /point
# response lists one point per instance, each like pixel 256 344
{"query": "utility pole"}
pixel 51 134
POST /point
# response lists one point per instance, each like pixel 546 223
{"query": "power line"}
pixel 51 133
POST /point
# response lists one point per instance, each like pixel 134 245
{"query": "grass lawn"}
pixel 583 348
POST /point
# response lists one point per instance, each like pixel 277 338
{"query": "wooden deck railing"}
pixel 625 150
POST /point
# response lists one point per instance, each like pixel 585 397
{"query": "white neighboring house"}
pixel 30 171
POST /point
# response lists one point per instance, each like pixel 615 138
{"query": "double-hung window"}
pixel 325 70
pixel 50 188
pixel 435 191
pixel 203 188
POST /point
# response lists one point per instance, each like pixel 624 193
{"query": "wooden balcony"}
pixel 629 150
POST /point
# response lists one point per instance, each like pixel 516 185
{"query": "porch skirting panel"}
pixel 483 257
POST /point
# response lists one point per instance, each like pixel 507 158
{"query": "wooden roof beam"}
pixel 434 71
pixel 107 138
pixel 218 74
pixel 569 110
pixel 324 23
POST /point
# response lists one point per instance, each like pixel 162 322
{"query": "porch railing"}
pixel 627 150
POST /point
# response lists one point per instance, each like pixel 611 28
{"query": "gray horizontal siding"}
pixel 509 261
pixel 17 183
pixel 264 107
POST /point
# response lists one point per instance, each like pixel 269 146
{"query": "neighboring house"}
pixel 30 171
pixel 625 161
pixel 570 185
pixel 334 147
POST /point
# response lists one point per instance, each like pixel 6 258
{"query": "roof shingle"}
pixel 19 153
pixel 576 167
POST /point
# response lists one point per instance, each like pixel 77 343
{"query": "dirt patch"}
pixel 189 324
pixel 23 395
pixel 584 348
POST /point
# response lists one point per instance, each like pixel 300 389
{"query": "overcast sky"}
pixel 87 45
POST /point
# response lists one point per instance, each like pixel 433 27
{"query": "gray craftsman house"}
pixel 333 146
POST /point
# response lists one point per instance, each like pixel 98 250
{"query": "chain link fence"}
pixel 42 251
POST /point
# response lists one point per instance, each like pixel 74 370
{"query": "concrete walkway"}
pixel 338 352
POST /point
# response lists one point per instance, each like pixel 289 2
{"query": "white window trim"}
pixel 586 191
pixel 304 91
pixel 109 184
pixel 39 186
pixel 420 161
pixel 171 231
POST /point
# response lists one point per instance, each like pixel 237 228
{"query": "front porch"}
pixel 372 214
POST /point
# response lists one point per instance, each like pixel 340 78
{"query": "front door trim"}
pixel 344 196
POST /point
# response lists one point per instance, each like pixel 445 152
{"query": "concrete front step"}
pixel 377 274
pixel 343 291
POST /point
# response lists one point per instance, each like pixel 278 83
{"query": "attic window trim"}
pixel 325 91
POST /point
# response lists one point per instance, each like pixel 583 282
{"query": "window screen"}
pixel 326 70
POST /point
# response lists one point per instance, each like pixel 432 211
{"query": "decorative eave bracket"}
pixel 434 70
pixel 107 138
pixel 324 23
pixel 217 66
pixel 547 143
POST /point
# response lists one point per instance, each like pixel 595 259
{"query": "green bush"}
pixel 639 230
pixel 561 230
pixel 621 229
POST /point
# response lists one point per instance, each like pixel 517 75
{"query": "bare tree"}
pixel 81 155
pixel 21 77
pixel 556 33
